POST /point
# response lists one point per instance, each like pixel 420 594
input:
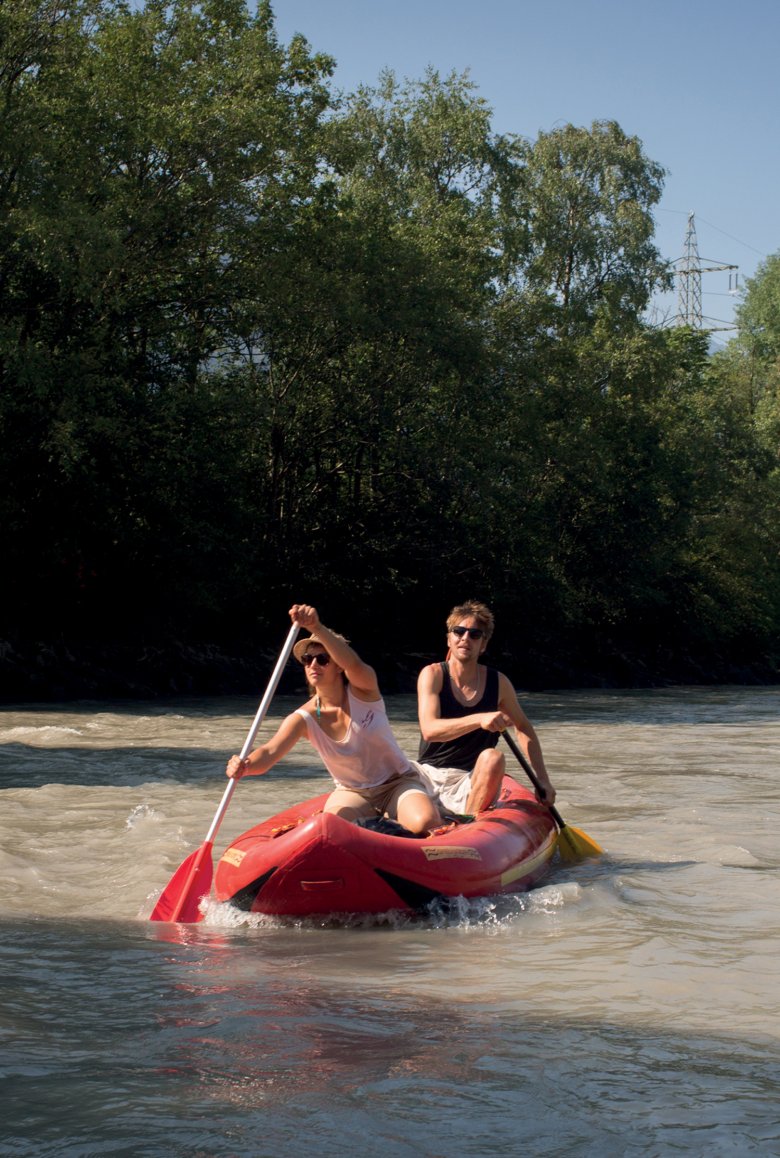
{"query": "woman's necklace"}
pixel 318 704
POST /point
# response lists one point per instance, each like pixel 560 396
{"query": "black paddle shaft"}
pixel 534 779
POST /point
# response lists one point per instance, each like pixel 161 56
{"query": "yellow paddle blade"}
pixel 573 844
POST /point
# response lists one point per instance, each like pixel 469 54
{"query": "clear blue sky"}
pixel 696 80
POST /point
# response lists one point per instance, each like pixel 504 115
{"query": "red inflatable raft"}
pixel 304 862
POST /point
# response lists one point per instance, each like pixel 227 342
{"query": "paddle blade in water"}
pixel 181 897
pixel 573 844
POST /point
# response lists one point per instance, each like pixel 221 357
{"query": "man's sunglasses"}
pixel 318 657
pixel 471 632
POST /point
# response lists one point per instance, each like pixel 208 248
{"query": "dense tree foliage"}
pixel 260 343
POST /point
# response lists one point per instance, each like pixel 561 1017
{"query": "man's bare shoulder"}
pixel 430 677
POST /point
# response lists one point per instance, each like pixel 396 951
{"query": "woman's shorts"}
pixel 382 798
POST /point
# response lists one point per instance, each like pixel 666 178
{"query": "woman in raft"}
pixel 346 721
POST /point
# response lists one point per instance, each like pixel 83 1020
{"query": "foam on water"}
pixel 624 1007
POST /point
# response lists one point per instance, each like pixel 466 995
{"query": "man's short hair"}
pixel 480 611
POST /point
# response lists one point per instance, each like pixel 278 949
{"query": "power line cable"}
pixel 747 245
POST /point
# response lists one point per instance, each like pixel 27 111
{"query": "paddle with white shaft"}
pixel 180 899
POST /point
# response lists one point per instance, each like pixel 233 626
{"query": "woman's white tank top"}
pixel 369 753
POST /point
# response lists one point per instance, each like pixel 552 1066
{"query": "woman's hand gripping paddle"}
pixel 180 899
pixel 573 844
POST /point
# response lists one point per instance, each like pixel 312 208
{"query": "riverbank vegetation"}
pixel 262 342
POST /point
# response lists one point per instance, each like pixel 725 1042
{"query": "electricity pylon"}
pixel 688 271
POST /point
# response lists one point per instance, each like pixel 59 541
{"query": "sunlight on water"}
pixel 626 1006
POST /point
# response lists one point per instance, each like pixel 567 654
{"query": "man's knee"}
pixel 490 764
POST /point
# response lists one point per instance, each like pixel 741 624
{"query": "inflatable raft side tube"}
pixel 245 898
pixel 414 895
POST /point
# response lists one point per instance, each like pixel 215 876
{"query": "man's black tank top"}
pixel 462 752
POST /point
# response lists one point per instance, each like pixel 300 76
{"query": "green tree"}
pixel 589 195
pixel 758 315
pixel 375 367
pixel 255 341
pixel 742 526
pixel 150 145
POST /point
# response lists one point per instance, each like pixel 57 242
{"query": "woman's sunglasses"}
pixel 318 657
pixel 471 632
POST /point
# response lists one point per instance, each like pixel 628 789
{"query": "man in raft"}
pixel 463 708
